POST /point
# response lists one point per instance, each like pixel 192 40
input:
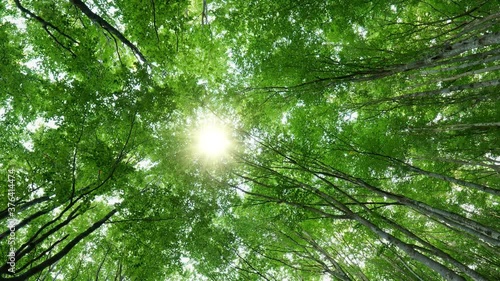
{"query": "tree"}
pixel 364 143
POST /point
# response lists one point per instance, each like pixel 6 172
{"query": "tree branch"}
pixel 45 25
pixel 40 267
pixel 108 27
pixel 154 20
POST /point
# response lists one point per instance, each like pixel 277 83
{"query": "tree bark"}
pixel 435 251
pixel 25 206
pixel 48 262
pixel 108 27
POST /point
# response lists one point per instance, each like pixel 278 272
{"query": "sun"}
pixel 212 141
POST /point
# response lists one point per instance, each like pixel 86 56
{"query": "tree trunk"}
pixel 48 262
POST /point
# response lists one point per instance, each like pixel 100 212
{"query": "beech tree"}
pixel 350 140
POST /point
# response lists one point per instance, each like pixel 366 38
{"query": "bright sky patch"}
pixel 212 140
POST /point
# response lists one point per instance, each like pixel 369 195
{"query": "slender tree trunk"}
pixel 438 92
pixel 33 242
pixel 101 264
pixel 24 206
pixel 27 220
pixel 453 180
pixel 408 267
pixel 106 26
pixel 458 76
pixel 47 263
pixel 407 248
pixel 442 270
pixel 462 162
pixel 339 271
pixel 435 175
pixel 466 45
pixel 435 251
pixel 458 63
pixel 485 233
pixel 459 127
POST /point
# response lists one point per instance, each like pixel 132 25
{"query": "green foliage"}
pixel 364 138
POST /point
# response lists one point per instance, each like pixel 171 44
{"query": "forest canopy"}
pixel 250 140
